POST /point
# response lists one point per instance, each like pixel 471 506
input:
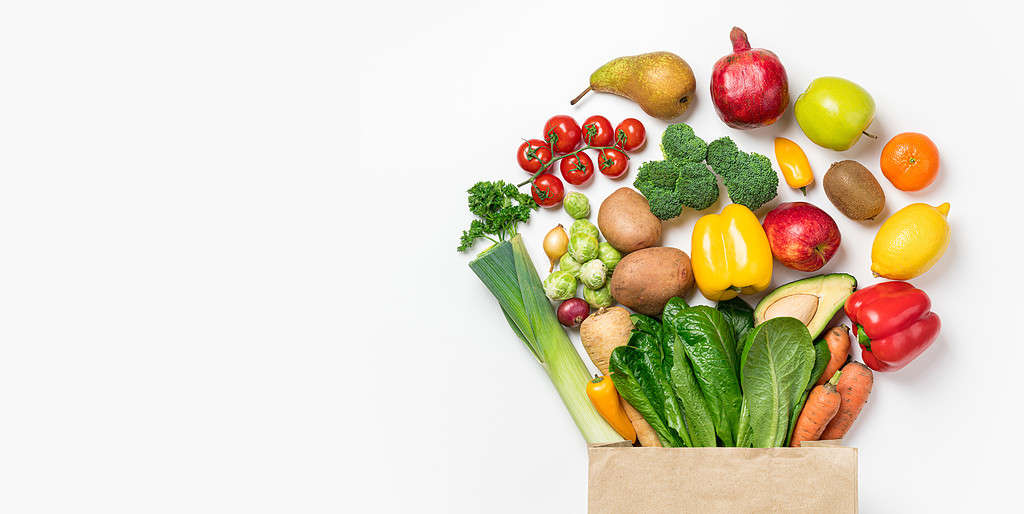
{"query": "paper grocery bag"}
pixel 820 477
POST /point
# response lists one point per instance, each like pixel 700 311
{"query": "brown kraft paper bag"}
pixel 820 477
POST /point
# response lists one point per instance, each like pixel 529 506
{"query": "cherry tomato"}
pixel 564 132
pixel 630 134
pixel 532 154
pixel 612 162
pixel 597 131
pixel 547 190
pixel 576 168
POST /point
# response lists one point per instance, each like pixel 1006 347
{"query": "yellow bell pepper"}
pixel 730 254
pixel 793 163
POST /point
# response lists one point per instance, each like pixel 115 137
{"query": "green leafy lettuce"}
pixel 707 341
pixel 776 367
pixel 740 317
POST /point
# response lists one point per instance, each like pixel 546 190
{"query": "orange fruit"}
pixel 910 161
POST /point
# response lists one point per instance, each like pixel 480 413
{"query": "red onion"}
pixel 572 312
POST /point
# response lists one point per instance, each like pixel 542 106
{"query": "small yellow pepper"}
pixel 606 400
pixel 730 254
pixel 793 163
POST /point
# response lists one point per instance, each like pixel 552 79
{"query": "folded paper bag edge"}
pixel 706 479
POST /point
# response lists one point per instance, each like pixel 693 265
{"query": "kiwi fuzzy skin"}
pixel 854 190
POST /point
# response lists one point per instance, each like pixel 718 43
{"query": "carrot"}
pixel 854 388
pixel 822 405
pixel 838 340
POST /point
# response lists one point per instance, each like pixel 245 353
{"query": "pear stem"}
pixel 578 97
pixel 866 133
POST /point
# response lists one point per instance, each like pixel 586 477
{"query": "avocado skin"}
pixel 832 290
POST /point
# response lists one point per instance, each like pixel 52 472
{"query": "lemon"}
pixel 911 241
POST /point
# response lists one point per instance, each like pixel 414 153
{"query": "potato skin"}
pixel 626 221
pixel 645 280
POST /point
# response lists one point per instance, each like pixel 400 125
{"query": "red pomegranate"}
pixel 749 86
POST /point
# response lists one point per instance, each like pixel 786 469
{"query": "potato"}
pixel 646 279
pixel 626 221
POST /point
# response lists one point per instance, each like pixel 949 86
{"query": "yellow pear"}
pixel 661 82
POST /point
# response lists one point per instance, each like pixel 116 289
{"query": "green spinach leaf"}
pixel 632 380
pixel 708 343
pixel 740 317
pixel 700 428
pixel 821 357
pixel 654 361
pixel 646 324
pixel 698 420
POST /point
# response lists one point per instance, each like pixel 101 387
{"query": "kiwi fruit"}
pixel 854 190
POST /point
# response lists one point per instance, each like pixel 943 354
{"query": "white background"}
pixel 228 280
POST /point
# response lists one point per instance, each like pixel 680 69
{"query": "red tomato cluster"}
pixel 561 143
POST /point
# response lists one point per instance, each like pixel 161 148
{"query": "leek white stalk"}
pixel 508 272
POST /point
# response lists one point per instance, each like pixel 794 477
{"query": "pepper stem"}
pixel 863 338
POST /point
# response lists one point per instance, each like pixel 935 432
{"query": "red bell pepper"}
pixel 893 323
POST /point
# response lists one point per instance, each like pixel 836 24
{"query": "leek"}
pixel 508 272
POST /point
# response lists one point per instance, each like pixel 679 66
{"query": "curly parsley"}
pixel 501 207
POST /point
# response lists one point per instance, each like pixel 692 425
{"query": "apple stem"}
pixel 804 190
pixel 866 133
pixel 579 96
pixel 739 40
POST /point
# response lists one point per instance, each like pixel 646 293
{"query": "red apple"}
pixel 802 236
pixel 749 86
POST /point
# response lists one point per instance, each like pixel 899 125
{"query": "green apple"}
pixel 833 112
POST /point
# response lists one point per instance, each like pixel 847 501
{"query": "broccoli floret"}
pixel 697 186
pixel 679 142
pixel 749 178
pixel 672 184
pixel 657 180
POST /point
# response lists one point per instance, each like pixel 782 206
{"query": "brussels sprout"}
pixel 560 285
pixel 608 255
pixel 593 274
pixel 582 247
pixel 568 264
pixel 576 205
pixel 584 227
pixel 598 298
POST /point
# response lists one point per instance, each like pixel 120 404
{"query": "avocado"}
pixel 811 300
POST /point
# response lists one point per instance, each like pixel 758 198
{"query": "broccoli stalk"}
pixel 749 177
